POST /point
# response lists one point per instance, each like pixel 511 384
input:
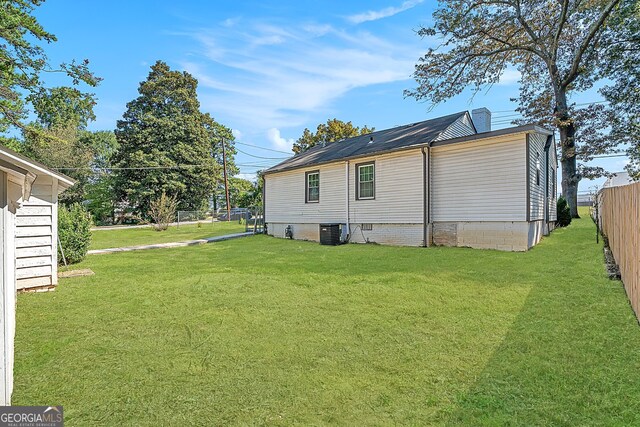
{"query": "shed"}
pixel 37 223
pixel 23 183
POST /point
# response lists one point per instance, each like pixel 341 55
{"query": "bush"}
pixel 163 211
pixel 74 232
pixel 563 212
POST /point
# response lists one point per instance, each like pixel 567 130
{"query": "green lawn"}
pixel 268 331
pixel 102 239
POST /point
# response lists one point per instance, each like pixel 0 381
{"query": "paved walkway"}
pixel 170 245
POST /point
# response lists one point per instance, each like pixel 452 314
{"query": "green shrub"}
pixel 74 232
pixel 163 211
pixel 563 212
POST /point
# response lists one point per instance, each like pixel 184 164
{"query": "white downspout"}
pixel 346 188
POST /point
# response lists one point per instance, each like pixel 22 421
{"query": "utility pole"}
pixel 226 182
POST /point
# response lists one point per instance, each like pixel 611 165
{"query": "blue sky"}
pixel 268 69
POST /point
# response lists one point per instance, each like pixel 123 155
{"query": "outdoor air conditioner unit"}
pixel 330 234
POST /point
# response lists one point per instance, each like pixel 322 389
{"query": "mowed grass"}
pixel 268 331
pixel 102 239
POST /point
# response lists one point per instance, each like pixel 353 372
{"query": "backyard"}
pixel 268 331
pixel 128 236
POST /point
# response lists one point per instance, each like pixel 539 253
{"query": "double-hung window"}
pixel 312 187
pixel 365 181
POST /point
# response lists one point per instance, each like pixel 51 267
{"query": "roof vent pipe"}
pixel 481 119
pixel 370 140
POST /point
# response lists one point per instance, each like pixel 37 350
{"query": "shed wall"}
pixel 7 285
pixel 36 231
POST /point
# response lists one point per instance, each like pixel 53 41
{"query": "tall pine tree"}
pixel 165 144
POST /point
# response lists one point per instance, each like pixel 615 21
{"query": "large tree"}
pixel 559 47
pixel 23 61
pixel 333 130
pixel 623 93
pixel 57 137
pixel 165 144
pixel 99 191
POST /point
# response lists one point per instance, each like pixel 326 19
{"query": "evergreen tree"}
pixel 165 144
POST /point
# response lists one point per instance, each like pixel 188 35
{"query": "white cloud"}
pixel 509 77
pixel 621 164
pixel 273 135
pixel 248 78
pixel 230 22
pixel 248 176
pixel 236 134
pixel 373 15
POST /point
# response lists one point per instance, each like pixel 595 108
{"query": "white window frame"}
pixel 358 182
pixel 307 193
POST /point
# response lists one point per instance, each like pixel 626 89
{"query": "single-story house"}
pixel 445 181
pixel 28 238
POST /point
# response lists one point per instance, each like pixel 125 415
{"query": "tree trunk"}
pixel 570 176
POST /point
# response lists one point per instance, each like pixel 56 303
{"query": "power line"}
pixel 609 155
pixel 135 168
pixel 577 105
pixel 260 157
pixel 263 148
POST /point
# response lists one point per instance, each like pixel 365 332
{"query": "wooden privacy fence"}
pixel 619 218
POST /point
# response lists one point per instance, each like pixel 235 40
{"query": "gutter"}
pixel 346 177
pixel 547 206
pixel 425 198
pixel 264 204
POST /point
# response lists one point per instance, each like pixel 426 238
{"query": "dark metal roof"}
pixel 373 143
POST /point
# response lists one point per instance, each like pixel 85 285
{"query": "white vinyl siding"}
pixel 537 142
pixel 10 193
pixel 36 226
pixel 483 180
pixel 285 196
pixel 398 190
pixel 461 127
pixel 398 193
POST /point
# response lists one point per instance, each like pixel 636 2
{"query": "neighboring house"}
pixel 25 241
pixel 585 199
pixel 446 181
pixel 617 179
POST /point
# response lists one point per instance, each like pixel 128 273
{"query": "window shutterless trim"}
pixel 358 165
pixel 306 186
